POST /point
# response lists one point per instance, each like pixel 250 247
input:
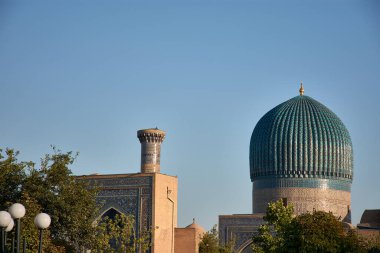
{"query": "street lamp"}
pixel 10 226
pixel 42 221
pixel 5 219
pixel 17 211
pixel 8 229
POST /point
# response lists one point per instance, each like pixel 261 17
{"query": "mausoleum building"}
pixel 301 152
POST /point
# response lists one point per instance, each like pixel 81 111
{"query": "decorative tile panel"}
pixel 131 195
pixel 304 200
pixel 240 228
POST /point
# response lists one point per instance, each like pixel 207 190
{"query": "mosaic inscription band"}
pixel 341 185
pixel 304 199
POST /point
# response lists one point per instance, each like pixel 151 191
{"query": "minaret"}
pixel 150 140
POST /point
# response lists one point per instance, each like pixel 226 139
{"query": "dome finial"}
pixel 301 89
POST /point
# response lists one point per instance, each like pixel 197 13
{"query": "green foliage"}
pixel 51 189
pixel 307 233
pixel 320 232
pixel 210 243
pixel 270 236
pixel 12 176
pixel 118 236
pixel 227 248
pixel 29 231
pixel 371 243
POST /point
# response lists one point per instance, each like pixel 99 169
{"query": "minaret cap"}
pixel 301 89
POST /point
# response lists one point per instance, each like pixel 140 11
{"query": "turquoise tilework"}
pixel 301 138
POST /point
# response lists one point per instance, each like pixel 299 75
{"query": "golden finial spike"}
pixel 301 89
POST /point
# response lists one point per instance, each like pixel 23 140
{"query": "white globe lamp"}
pixel 5 219
pixel 10 226
pixel 42 221
pixel 17 211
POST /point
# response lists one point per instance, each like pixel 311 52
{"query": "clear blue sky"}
pixel 86 75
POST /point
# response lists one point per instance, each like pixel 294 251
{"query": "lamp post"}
pixel 8 229
pixel 42 221
pixel 17 211
pixel 5 219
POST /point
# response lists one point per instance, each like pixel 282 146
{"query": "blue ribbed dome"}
pixel 301 138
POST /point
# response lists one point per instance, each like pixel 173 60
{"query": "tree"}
pixel 320 232
pixel 210 243
pixel 54 190
pixel 12 176
pixel 310 232
pixel 29 231
pixel 118 236
pixel 70 202
pixel 372 244
pixel 270 237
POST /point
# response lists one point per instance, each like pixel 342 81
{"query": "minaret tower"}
pixel 150 140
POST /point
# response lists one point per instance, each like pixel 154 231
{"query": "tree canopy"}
pixel 53 189
pixel 271 235
pixel 49 188
pixel 210 243
pixel 309 232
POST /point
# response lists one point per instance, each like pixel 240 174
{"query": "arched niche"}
pixel 111 212
pixel 245 247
